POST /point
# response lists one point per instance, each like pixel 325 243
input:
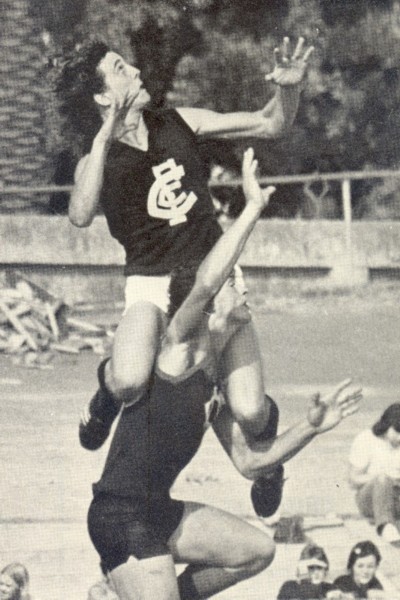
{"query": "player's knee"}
pixel 265 553
pixel 252 418
pixel 258 558
pixel 126 379
pixel 261 553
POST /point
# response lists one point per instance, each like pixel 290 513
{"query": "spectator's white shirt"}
pixel 374 455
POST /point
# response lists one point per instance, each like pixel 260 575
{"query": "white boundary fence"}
pixel 348 265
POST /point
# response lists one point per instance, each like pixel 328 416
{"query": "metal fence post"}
pixel 347 217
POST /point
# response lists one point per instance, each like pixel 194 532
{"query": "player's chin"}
pixel 139 100
pixel 144 96
pixel 242 314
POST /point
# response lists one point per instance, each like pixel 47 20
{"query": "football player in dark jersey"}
pixel 138 530
pixel 144 167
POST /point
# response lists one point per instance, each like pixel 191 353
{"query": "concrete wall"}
pixel 80 264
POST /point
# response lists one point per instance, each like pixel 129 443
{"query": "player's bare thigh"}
pixel 135 347
pixel 208 535
pixel 138 335
pixel 241 369
pixel 146 579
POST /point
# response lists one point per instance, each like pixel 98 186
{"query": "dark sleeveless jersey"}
pixel 157 202
pixel 156 438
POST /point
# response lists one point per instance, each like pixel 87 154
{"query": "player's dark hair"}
pixel 361 550
pixel 389 418
pixel 181 283
pixel 76 83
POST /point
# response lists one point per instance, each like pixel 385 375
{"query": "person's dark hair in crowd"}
pixel 375 473
pixel 362 565
pixel 389 418
pixel 312 571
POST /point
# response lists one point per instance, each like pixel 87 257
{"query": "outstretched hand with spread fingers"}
pixel 327 411
pixel 290 69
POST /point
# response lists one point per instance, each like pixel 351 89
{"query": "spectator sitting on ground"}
pixel 14 582
pixel 311 581
pixel 375 473
pixel 361 581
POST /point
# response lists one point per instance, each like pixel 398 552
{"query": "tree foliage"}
pixel 215 53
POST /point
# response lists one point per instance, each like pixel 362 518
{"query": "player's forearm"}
pixel 219 262
pixel 85 195
pixel 279 113
pixel 253 458
pixel 262 457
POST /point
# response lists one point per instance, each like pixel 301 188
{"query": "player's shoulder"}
pixel 168 117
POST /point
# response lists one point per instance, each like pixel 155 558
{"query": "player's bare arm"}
pixel 277 115
pixel 255 458
pixel 218 264
pixel 88 180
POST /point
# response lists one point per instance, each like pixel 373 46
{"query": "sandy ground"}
pixel 309 341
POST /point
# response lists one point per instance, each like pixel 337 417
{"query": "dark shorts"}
pixel 123 527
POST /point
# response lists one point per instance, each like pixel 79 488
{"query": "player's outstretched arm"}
pixel 89 172
pixel 219 262
pixel 256 458
pixel 276 117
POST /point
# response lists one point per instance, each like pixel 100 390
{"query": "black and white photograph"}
pixel 199 299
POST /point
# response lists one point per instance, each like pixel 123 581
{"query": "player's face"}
pixel 8 588
pixel 393 437
pixel 316 574
pixel 123 80
pixel 364 569
pixel 231 302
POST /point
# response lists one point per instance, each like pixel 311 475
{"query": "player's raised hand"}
pixel 290 69
pixel 325 412
pixel 251 188
pixel 116 112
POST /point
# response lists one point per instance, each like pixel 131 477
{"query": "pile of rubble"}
pixel 34 326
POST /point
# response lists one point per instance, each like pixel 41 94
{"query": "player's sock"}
pixel 271 428
pixel 100 413
pixel 266 491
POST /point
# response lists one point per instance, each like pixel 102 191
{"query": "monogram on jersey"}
pixel 165 199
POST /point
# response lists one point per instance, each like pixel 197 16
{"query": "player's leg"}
pixel 256 413
pixel 133 553
pixel 252 458
pixel 146 579
pixel 241 370
pixel 135 346
pixel 220 548
pixel 125 376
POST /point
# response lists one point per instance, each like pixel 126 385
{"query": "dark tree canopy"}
pixel 215 53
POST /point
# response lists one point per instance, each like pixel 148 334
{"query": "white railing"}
pixel 350 234
pixel 344 177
